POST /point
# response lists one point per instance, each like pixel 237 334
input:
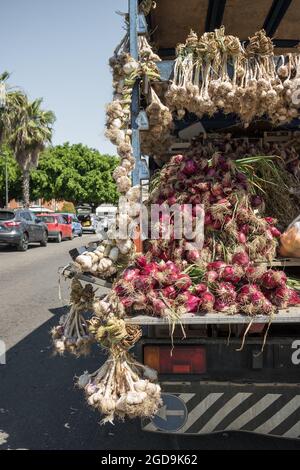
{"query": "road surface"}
pixel 39 406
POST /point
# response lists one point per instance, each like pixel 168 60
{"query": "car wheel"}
pixel 44 240
pixel 59 238
pixel 23 244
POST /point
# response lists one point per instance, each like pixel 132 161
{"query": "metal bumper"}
pixel 195 408
pixel 53 234
pixel 10 237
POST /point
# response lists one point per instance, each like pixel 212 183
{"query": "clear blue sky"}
pixel 59 50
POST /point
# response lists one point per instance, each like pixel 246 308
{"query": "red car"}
pixel 59 226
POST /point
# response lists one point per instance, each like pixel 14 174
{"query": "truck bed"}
pixel 289 315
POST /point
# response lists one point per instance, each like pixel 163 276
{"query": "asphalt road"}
pixel 39 406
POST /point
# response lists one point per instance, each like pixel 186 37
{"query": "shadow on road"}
pixel 41 409
pixel 11 248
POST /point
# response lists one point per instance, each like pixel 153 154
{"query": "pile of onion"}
pixel 232 222
pixel 160 289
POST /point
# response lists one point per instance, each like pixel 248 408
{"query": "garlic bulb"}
pixel 135 398
pixel 123 184
pixel 124 246
pixel 83 380
pixel 114 254
pixel 117 123
pixel 105 263
pixel 84 261
pixel 93 257
pixel 119 171
pixel 134 209
pixel 149 373
pixel 134 194
pixel 130 67
pixel 117 390
pixel 99 254
pixel 101 308
pixel 140 385
pixel 127 164
pixel 94 268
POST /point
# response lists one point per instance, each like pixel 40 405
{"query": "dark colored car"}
pixel 19 227
pixel 59 226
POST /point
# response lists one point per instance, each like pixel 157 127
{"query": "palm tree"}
pixel 31 131
pixel 11 104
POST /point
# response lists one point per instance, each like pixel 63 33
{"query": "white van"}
pixel 106 215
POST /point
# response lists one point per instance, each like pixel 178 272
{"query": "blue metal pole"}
pixel 135 105
pixel 133 34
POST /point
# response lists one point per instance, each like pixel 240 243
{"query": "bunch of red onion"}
pixel 232 220
pixel 160 289
pixel 236 237
pixel 155 287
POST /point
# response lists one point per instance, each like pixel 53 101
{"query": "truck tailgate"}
pixel 206 407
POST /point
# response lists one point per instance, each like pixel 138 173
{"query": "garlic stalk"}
pixel 72 333
pixel 118 390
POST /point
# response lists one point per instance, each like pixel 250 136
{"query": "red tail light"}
pixel 183 360
pixel 12 224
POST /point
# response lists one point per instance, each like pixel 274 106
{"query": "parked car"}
pixel 40 210
pixel 88 222
pixel 106 215
pixel 19 227
pixel 59 227
pixel 76 225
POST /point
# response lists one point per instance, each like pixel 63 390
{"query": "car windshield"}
pixel 48 219
pixel 6 215
pixel 84 218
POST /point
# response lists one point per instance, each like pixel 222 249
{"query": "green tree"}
pixel 75 173
pixel 14 176
pixel 30 133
